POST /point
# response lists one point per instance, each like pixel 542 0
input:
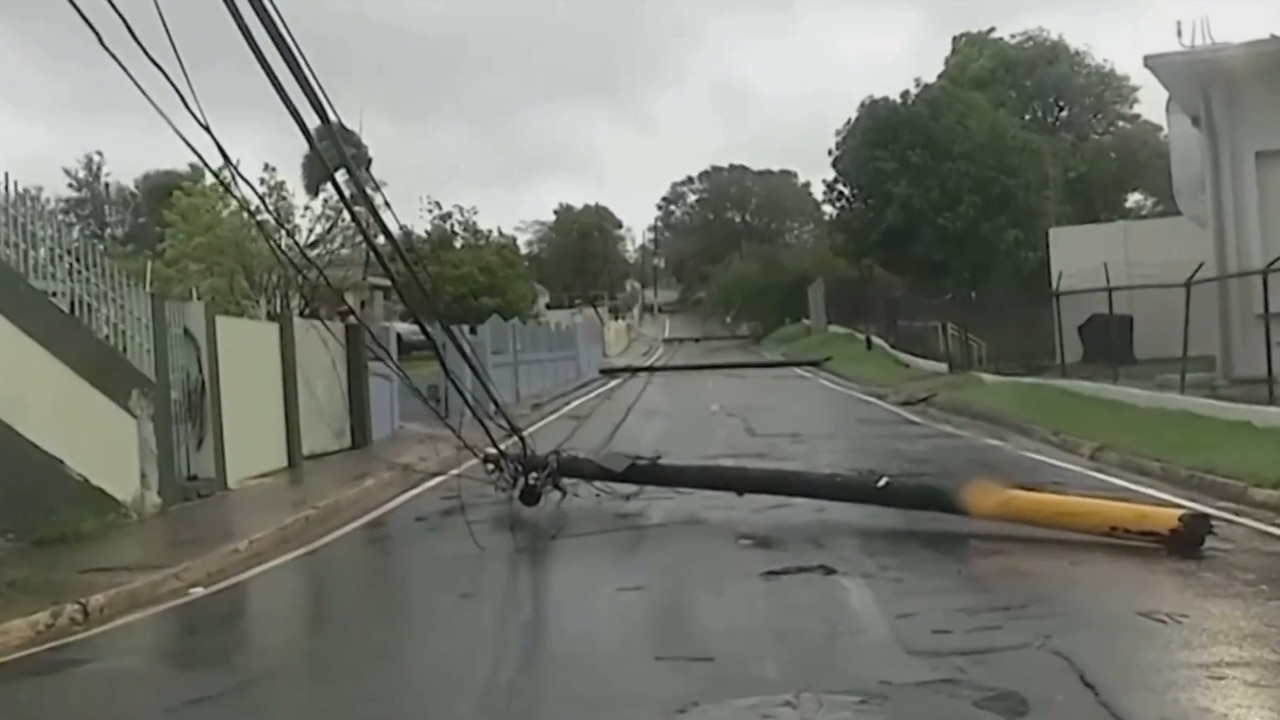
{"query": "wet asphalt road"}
pixel 655 607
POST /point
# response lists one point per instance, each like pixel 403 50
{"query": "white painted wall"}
pixel 322 386
pixel 1233 91
pixel 252 381
pixel 1161 250
pixel 57 410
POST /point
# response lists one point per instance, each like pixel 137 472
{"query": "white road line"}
pixel 1055 462
pixel 325 540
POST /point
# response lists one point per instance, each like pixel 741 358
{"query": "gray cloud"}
pixel 513 106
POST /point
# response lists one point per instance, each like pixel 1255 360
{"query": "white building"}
pixel 1231 95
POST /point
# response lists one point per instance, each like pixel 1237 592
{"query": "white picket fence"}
pixel 520 362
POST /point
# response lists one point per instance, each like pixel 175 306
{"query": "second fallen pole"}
pixel 724 365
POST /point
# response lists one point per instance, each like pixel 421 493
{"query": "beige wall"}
pixel 252 382
pixel 54 408
pixel 322 386
pixel 617 335
pixel 1162 250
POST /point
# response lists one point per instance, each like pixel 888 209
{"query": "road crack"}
pixel 755 433
pixel 1087 682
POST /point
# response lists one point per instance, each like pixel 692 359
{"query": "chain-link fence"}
pixel 1172 328
pixel 1206 335
pixel 1009 334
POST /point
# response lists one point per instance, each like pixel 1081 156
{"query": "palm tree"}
pixel 320 164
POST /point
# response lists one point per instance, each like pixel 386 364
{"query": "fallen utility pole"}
pixel 726 365
pixel 1181 532
pixel 707 338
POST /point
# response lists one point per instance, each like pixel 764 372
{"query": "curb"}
pixel 1214 486
pixel 70 618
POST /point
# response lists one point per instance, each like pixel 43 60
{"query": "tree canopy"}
pixel 109 212
pixel 184 236
pixel 953 183
pixel 745 240
pixel 725 210
pixel 579 255
pixel 474 271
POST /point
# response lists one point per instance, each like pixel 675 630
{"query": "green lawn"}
pixel 1233 449
pixel 849 357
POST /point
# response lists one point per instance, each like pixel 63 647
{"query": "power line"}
pixel 296 47
pixel 173 46
pixel 333 108
pixel 278 252
pixel 313 99
pixel 466 397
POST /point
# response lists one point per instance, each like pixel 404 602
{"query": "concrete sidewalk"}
pixel 54 591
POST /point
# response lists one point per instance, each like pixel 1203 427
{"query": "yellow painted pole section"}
pixel 1089 515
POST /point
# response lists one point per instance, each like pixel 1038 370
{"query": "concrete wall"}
pixel 617 337
pixel 325 418
pixel 59 411
pixel 1162 250
pixel 251 377
pixel 88 434
pixel 78 441
pixel 1232 92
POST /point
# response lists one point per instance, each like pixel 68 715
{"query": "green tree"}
pixel 723 211
pixel 940 187
pixel 119 217
pixel 212 250
pixel 154 192
pixel 580 253
pixel 96 206
pixel 1110 162
pixel 475 272
pixel 767 286
pixel 320 228
pixel 328 157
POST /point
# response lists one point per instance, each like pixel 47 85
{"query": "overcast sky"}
pixel 515 105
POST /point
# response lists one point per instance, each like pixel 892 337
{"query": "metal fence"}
pixel 1013 334
pixel 520 361
pixel 75 273
pixel 1186 335
pixel 1206 335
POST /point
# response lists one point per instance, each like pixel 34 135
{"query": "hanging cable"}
pixel 312 95
pixel 296 47
pixel 280 254
pixel 385 352
pixel 389 238
pixel 177 56
pixel 467 397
